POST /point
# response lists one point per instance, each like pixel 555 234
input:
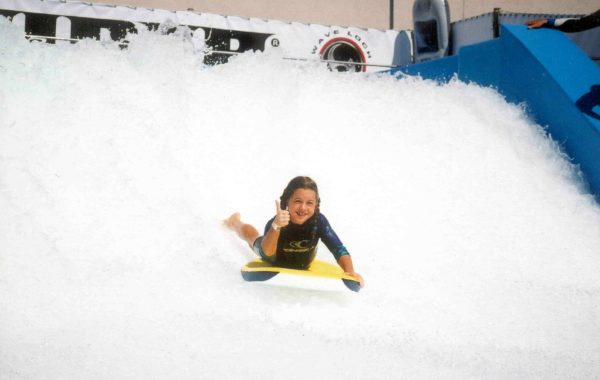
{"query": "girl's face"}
pixel 302 205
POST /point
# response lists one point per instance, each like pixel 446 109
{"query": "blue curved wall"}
pixel 544 69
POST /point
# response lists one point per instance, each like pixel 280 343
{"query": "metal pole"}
pixel 391 14
pixel 496 23
pixel 232 53
pixel 41 38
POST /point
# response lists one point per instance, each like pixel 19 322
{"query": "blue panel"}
pixel 442 69
pixel 481 63
pixel 554 77
pixel 544 69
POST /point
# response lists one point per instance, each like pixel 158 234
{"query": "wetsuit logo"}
pixel 298 246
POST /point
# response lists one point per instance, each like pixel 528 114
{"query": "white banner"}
pixel 368 49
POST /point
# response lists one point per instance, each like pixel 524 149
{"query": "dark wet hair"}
pixel 300 182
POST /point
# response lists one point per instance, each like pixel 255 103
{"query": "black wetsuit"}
pixel 297 244
pixel 572 25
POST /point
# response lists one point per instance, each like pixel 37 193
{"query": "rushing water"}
pixel 479 244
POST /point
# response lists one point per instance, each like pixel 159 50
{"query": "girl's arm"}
pixel 269 242
pixel 345 262
pixel 334 244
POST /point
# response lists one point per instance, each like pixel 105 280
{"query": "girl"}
pixel 291 236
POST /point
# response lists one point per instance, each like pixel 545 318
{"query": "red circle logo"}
pixel 340 50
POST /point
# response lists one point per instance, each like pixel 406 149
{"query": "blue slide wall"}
pixel 544 69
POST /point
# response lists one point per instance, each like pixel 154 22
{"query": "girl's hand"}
pixel 282 218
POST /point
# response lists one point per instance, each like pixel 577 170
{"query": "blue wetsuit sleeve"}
pixel 330 238
pixel 257 246
pixel 268 225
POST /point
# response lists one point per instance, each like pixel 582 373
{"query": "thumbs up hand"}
pixel 282 218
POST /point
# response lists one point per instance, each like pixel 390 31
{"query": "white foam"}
pixel 478 244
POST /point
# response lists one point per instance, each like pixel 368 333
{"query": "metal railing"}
pixel 231 53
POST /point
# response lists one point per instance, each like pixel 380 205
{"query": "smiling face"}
pixel 302 205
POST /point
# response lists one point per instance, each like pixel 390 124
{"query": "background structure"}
pixel 367 14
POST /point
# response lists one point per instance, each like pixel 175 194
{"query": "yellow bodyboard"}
pixel 259 270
